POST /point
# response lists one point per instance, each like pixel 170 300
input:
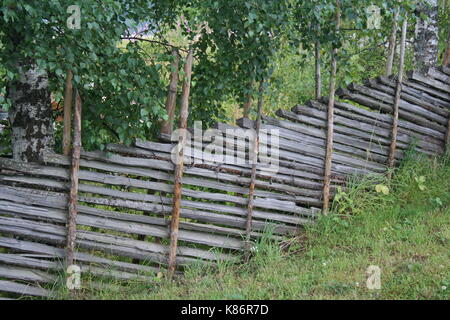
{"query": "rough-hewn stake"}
pixel 447 136
pixel 398 92
pixel 175 221
pixel 318 75
pixel 392 41
pixel 167 126
pixel 75 167
pixel 67 134
pixel 254 159
pixel 330 122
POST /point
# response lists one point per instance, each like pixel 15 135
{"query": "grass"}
pixel 404 231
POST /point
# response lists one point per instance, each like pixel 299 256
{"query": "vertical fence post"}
pixel 392 41
pixel 167 126
pixel 330 122
pixel 447 137
pixel 67 114
pixel 175 221
pixel 76 150
pixel 318 76
pixel 254 158
pixel 398 93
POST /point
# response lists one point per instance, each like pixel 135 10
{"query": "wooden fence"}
pixel 125 192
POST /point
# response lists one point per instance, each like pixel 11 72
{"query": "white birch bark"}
pixel 426 44
pixel 30 114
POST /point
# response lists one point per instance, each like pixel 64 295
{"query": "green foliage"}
pixel 444 26
pixel 123 83
pixel 121 92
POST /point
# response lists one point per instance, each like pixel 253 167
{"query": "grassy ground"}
pixel 404 230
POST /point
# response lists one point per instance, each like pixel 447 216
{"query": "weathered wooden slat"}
pixel 27 262
pixel 337 168
pixel 354 165
pixel 139 202
pixel 157 231
pixel 15 273
pixel 362 131
pixel 155 146
pixel 419 110
pixel 286 171
pixel 23 289
pixel 439 74
pixel 203 216
pixel 445 70
pixel 238 175
pixel 313 132
pixel 286 168
pixel 318 143
pixel 260 202
pixel 244 168
pixel 151 230
pixel 138 151
pixel 55 200
pixel 59 253
pixel 384 120
pixel 406 96
pixel 19 260
pixel 375 104
pixel 414 91
pixel 98 241
pixel 422 87
pixel 298 150
pixel 436 84
pixel 372 131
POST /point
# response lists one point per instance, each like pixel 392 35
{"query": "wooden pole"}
pixel 392 46
pixel 318 74
pixel 254 159
pixel 447 136
pixel 76 150
pixel 330 122
pixel 67 133
pixel 175 221
pixel 398 92
pixel 167 126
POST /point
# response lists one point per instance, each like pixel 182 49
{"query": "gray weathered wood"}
pixel 430 105
pixel 22 289
pixel 439 74
pixel 59 253
pixel 436 84
pixel 98 241
pixel 419 110
pixel 31 263
pixel 54 200
pixel 16 273
pixel 375 104
pixel 416 90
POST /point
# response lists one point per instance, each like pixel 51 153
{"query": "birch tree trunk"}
pixel 426 44
pixel 30 114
